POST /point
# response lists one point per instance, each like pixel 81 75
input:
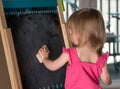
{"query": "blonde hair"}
pixel 89 23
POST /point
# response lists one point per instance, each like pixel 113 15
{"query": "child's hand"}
pixel 43 53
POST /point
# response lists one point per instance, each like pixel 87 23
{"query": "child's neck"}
pixel 87 54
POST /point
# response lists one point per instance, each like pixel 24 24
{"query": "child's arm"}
pixel 43 54
pixel 105 76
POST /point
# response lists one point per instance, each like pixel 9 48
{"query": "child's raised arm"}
pixel 43 55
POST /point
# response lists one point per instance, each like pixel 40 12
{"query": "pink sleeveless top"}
pixel 83 75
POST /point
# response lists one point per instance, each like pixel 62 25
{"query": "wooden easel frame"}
pixel 63 25
pixel 9 50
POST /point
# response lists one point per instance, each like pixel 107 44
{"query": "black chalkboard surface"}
pixel 30 32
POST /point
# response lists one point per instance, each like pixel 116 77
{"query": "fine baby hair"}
pixel 89 24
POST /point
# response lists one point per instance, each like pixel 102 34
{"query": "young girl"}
pixel 85 62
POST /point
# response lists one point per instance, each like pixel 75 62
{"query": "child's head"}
pixel 88 26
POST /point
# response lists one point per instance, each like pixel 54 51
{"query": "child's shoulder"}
pixel 68 49
pixel 104 55
pixel 103 59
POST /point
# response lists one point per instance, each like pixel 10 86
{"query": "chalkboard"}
pixel 30 32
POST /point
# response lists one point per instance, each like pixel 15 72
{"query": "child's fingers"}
pixel 41 55
pixel 42 49
pixel 45 48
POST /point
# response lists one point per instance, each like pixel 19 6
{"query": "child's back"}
pixel 86 73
